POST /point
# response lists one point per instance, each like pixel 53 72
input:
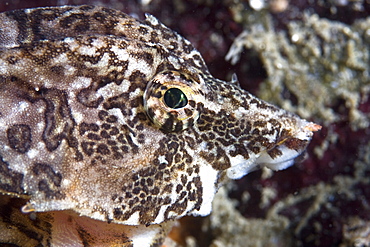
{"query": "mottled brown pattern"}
pixel 87 137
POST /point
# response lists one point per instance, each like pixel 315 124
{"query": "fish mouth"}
pixel 289 149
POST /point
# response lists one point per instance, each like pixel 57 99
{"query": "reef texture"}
pixel 315 68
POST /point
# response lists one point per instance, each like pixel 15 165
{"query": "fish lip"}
pixel 313 127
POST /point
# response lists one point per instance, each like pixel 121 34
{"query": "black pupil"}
pixel 175 98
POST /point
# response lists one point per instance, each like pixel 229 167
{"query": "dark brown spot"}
pixel 104 134
pixel 19 137
pixel 84 127
pixel 111 119
pixel 103 149
pixel 102 115
pixel 87 147
pixel 114 131
pixel 275 152
pixel 295 144
pixel 136 190
pixel 93 136
pixel 179 188
pixel 168 188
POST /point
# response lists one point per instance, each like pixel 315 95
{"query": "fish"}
pixel 112 128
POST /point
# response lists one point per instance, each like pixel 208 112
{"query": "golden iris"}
pixel 171 100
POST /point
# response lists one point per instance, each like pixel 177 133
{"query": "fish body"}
pixel 111 128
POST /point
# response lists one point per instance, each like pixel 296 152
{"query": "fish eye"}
pixel 172 100
pixel 175 98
